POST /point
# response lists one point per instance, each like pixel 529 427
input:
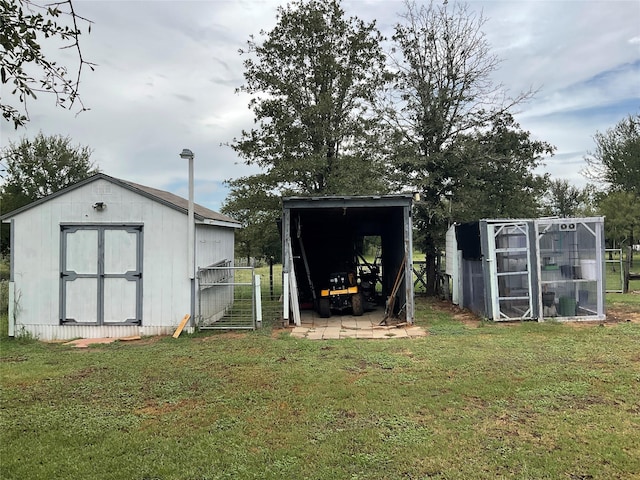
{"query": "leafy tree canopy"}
pixel 42 166
pixel 312 80
pixel 39 167
pixel 565 200
pixel 441 100
pixel 25 25
pixel 258 211
pixel 622 217
pixel 441 89
pixel 497 178
pixel 616 159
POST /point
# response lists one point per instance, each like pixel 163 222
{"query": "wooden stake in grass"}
pixel 184 321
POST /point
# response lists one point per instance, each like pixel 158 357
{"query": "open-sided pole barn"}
pixel 322 235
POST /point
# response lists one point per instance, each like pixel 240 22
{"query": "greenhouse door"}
pixel 101 275
pixel 510 271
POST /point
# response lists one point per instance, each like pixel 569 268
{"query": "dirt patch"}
pixel 464 316
pixel 622 314
pixel 276 332
pixel 615 315
pixel 86 342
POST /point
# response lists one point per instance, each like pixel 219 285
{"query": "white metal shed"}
pixel 108 258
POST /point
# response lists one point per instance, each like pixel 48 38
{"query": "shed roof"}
pixel 329 201
pixel 169 199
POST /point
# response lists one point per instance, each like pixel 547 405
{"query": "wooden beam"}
pixel 184 321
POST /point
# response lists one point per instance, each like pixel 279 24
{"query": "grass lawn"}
pixel 469 401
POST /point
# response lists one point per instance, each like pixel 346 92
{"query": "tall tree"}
pixel 565 200
pixel 42 166
pixel 498 178
pixel 616 159
pixel 312 80
pixel 442 90
pixel 24 26
pixel 39 167
pixel 622 212
pixel 258 212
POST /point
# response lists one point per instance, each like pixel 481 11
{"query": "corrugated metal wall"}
pixel 68 332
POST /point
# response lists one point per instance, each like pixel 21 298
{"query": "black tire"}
pixel 324 307
pixel 357 304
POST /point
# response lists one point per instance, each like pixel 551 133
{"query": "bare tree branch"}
pixel 26 24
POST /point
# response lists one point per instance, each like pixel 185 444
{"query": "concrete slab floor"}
pixel 313 327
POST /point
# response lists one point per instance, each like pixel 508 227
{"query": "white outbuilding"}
pixel 109 258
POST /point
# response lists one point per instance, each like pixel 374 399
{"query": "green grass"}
pixel 485 401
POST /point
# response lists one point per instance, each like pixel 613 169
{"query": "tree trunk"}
pixel 431 274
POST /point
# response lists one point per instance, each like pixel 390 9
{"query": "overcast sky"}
pixel 167 70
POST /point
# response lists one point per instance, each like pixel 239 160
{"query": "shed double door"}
pixel 101 275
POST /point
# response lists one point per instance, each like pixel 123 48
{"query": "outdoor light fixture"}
pixel 99 206
pixel 186 154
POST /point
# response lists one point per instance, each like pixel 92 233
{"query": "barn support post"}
pixel 289 282
pixel 408 270
pixel 286 226
pixel 293 286
pixel 285 300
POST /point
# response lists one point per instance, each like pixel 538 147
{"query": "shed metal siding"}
pixel 166 285
pixel 213 244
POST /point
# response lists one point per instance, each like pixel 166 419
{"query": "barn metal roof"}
pixel 169 199
pixel 328 201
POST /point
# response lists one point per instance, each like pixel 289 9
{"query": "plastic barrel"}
pixel 567 307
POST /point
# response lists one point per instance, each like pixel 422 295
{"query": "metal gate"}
pixel 614 281
pixel 226 297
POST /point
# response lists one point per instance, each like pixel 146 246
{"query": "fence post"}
pixel 270 277
pixel 627 270
pixel 258 300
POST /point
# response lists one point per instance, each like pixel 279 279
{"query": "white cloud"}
pixel 167 73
